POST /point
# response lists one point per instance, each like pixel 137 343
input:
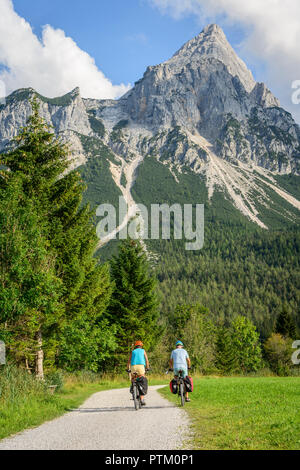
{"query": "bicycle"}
pixel 135 390
pixel 180 386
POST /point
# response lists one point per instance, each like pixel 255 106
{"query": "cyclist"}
pixel 137 362
pixel 180 360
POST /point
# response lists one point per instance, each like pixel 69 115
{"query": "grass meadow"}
pixel 241 413
pixel 244 413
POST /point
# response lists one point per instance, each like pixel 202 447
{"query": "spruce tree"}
pixel 42 161
pixel 38 157
pixel 134 307
pixel 285 324
pixel 226 360
pixel 30 290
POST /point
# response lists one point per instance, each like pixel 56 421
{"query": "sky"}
pixel 105 46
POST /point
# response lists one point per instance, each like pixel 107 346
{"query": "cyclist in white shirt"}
pixel 180 360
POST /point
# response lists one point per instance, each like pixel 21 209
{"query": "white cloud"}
pixel 272 34
pixel 53 65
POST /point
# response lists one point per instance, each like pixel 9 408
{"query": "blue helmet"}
pixel 179 343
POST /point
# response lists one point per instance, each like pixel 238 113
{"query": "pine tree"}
pixel 285 324
pixel 38 157
pixel 133 307
pixel 88 338
pixel 29 288
pixel 42 161
pixel 226 360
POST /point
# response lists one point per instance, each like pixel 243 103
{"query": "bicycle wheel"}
pixel 135 397
pixel 181 394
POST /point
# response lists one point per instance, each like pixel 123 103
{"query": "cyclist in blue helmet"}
pixel 180 360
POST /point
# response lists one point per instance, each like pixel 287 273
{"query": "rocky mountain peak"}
pixel 205 89
pixel 201 111
pixel 213 29
pixel 197 87
pixel 74 93
pixel 212 43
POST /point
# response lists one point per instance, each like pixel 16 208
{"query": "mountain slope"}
pixel 200 111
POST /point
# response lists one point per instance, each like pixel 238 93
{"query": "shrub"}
pixel 279 351
pixel 245 342
pixel 55 378
pixel 17 384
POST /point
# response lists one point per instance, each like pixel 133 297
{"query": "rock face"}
pixel 66 114
pixel 205 76
pixel 201 110
pixel 205 88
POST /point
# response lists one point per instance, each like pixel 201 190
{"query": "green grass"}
pixel 25 410
pixel 226 413
pixel 244 413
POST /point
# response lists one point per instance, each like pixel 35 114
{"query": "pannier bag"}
pixel 174 386
pixel 189 384
pixel 142 383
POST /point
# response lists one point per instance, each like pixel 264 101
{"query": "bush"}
pixel 246 345
pixel 87 376
pixel 193 326
pixel 17 384
pixel 278 350
pixel 55 378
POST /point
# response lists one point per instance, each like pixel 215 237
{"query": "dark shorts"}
pixel 184 371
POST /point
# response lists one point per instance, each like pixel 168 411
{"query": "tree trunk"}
pixel 39 369
pixel 27 366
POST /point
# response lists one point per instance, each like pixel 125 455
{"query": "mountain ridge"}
pixel 200 111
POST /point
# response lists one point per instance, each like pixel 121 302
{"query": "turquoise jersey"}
pixel 138 357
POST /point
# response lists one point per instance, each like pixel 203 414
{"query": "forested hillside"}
pixel 241 269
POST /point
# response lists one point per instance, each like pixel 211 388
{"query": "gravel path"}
pixel 107 420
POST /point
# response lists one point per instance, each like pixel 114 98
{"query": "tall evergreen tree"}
pixel 42 161
pixel 30 290
pixel 285 324
pixel 134 307
pixel 226 359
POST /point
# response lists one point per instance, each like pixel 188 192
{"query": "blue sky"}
pixel 124 37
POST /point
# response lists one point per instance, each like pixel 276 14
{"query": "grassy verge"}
pixel 244 413
pixel 26 402
pixel 34 404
